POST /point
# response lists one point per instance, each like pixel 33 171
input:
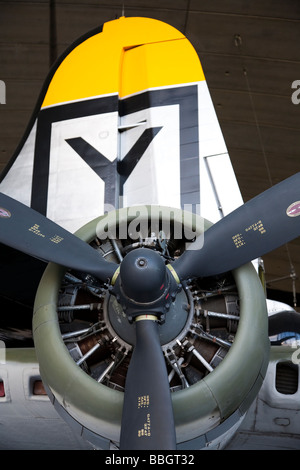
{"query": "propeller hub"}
pixel 145 285
pixel 143 276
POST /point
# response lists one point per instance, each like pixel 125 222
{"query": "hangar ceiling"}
pixel 250 55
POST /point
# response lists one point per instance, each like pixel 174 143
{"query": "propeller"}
pixel 144 287
pixel 147 420
pixel 27 230
pixel 259 226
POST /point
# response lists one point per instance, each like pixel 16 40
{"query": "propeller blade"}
pixel 30 232
pixel 147 420
pixel 261 225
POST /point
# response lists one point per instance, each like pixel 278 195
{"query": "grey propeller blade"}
pixel 27 230
pixel 261 225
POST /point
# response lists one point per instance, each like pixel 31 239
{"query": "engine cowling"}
pixel 214 337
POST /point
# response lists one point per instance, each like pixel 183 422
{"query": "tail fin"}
pixel 124 118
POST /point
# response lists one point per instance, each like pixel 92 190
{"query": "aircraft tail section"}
pixel 125 118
